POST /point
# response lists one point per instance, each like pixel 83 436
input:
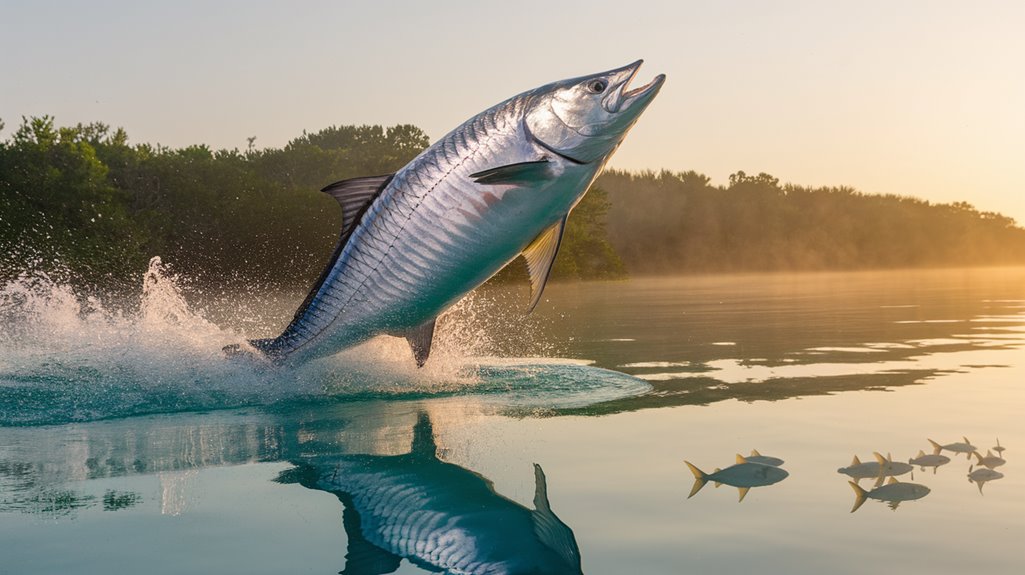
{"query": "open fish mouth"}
pixel 620 97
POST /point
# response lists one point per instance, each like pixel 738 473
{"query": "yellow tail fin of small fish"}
pixel 700 478
pixel 860 495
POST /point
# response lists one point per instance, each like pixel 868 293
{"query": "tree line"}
pixel 672 222
pixel 84 200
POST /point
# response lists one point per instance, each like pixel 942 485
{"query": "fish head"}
pixel 585 119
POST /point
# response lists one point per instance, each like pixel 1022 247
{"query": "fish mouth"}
pixel 621 98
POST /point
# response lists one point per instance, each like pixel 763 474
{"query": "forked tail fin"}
pixel 700 479
pixel 936 447
pixel 860 495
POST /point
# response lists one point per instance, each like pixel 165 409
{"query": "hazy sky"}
pixel 923 98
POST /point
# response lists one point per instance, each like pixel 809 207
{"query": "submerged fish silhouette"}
pixel 743 475
pixel 438 515
pixel 500 185
pixel 880 468
pixel 981 475
pixel 893 493
pixel 967 448
pixel 933 460
pixel 989 460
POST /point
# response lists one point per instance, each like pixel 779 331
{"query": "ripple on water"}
pixel 67 359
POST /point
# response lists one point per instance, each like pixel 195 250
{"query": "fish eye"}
pixel 597 86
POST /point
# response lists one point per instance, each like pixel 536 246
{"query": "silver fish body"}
pixel 893 493
pixel 743 475
pixel 500 185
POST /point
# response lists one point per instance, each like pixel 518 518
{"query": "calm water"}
pixel 128 445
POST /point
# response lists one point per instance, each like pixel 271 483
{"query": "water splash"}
pixel 68 357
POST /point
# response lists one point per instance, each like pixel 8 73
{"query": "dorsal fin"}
pixel 354 195
pixel 855 461
pixel 891 481
pixel 540 256
pixel 879 457
pixel 549 529
pixel 754 452
pixel 920 454
pixel 741 459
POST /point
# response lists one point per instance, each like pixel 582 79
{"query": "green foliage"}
pixel 86 199
pixel 60 205
pixel 678 222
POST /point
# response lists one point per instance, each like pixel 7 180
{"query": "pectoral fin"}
pixel 420 339
pixel 540 256
pixel 515 174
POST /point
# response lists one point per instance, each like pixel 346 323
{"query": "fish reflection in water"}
pixel 743 475
pixel 879 469
pixel 966 447
pixel 893 493
pixel 934 460
pixel 437 515
pixel 981 475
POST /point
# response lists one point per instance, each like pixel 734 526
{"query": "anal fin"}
pixel 420 339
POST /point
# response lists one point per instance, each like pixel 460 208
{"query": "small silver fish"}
pixel 981 475
pixel 499 186
pixel 893 493
pixel 989 460
pixel 967 448
pixel 880 468
pixel 743 475
pixel 999 448
pixel 933 460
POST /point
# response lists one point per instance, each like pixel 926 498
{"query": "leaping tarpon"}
pixel 500 185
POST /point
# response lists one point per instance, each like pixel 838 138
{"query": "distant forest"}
pixel 83 200
pixel 678 222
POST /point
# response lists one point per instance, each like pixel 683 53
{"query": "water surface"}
pixel 128 445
